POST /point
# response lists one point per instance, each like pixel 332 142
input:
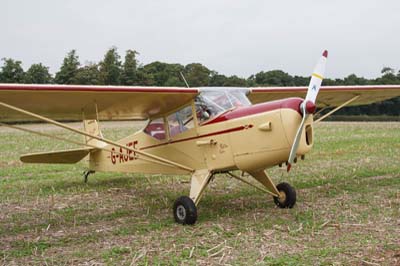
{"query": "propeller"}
pixel 308 106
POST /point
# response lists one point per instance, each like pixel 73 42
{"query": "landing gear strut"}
pixel 184 209
pixel 86 175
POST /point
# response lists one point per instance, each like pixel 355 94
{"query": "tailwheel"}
pixel 86 174
pixel 287 196
pixel 185 211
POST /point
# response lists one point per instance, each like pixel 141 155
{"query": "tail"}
pixel 92 127
pixel 69 156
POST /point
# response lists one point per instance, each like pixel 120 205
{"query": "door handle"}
pixel 206 142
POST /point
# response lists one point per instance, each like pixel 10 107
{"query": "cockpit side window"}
pixel 180 121
pixel 156 129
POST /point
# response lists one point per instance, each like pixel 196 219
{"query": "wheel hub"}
pixel 282 196
pixel 181 212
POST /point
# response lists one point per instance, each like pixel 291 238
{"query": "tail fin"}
pixel 92 127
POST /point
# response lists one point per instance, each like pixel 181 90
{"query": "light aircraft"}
pixel 195 131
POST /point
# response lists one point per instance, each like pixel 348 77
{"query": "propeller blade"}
pixel 308 106
pixel 296 142
pixel 316 79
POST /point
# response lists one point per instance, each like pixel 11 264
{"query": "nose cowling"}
pixel 291 121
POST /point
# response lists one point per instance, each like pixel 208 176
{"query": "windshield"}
pixel 212 103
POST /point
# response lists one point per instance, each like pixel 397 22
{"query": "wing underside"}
pixel 62 102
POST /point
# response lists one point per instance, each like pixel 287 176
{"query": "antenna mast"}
pixel 183 77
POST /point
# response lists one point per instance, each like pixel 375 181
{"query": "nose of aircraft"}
pixel 291 120
pixel 310 107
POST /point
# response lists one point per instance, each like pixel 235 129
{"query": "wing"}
pixel 75 102
pixel 329 95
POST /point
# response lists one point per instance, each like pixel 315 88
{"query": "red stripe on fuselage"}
pixel 201 136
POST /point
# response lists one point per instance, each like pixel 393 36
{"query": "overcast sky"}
pixel 232 37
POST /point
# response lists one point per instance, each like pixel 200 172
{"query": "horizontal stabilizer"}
pixel 62 157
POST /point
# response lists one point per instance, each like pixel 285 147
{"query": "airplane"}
pixel 199 132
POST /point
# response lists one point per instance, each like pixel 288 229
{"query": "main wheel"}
pixel 287 196
pixel 185 211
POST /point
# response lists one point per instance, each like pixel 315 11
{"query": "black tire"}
pixel 185 211
pixel 289 193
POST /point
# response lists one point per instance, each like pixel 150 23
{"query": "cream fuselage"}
pixel 246 138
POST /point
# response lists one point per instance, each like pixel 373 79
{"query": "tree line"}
pixel 112 70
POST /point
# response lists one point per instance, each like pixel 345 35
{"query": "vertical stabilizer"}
pixel 92 127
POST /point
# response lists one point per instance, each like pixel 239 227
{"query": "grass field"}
pixel 347 213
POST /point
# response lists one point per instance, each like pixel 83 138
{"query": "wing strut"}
pixel 51 121
pixel 336 109
pixel 251 184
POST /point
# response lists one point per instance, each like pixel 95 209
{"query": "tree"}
pixel 38 74
pixel 110 68
pixel 251 81
pixel 387 70
pixel 354 80
pixel 274 77
pixel 331 82
pixel 235 81
pixel 69 69
pixel 197 75
pixel 161 74
pixel 301 81
pixel 12 71
pixel 216 79
pixel 88 75
pixel 388 77
pixel 129 69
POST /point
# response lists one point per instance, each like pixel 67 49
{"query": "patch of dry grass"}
pixel 347 212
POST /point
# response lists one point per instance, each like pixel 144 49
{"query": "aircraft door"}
pixel 215 146
pixel 217 151
pixel 182 133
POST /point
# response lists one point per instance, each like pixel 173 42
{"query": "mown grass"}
pixel 347 212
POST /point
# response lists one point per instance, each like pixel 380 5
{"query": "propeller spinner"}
pixel 308 106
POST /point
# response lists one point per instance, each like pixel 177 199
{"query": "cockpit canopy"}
pixel 211 103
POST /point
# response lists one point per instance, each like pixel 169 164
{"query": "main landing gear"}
pixel 185 211
pixel 284 194
pixel 287 196
pixel 185 208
